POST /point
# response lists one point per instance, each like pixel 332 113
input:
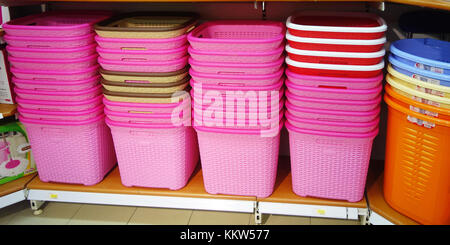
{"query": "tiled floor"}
pixel 79 214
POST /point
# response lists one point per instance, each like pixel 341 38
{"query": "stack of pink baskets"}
pixel 237 78
pixel 54 63
pixel 145 80
pixel 333 100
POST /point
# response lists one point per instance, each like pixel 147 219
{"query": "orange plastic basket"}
pixel 417 166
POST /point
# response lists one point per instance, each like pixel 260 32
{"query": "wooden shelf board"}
pixel 377 203
pixel 283 191
pixel 112 184
pixel 8 110
pixel 439 4
pixel 16 185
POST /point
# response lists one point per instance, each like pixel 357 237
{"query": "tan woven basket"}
pixel 152 88
pixel 166 77
pixel 146 98
pixel 147 25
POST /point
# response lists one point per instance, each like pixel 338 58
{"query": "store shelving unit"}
pixel 283 201
pixel 14 191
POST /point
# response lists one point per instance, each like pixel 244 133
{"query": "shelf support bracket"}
pixel 36 206
pixel 258 216
pixel 363 214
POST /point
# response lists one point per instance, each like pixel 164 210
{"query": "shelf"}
pixel 7 110
pixel 381 212
pixel 13 192
pixel 438 4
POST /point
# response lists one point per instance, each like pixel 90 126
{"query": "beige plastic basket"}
pixel 147 25
pixel 152 88
pixel 146 98
pixel 166 77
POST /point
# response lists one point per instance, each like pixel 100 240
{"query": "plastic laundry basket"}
pixel 146 98
pixel 50 42
pixel 329 164
pixel 430 99
pixel 237 68
pixel 49 53
pixel 61 115
pixel 342 58
pixel 55 24
pixel 66 75
pixel 53 85
pixel 236 79
pixel 334 82
pixel 144 77
pixel 335 45
pixel 419 85
pixel 239 162
pixel 176 118
pixel 59 95
pixel 142 55
pixel 48 105
pixel 417 167
pixel 154 156
pixel 333 92
pixel 71 152
pixel 423 75
pixel 146 107
pixel 53 64
pixel 339 25
pixel 331 70
pixel 423 53
pixel 147 25
pixel 143 66
pixel 236 57
pixel 417 106
pixel 141 43
pixel 333 104
pixel 131 87
pixel 238 36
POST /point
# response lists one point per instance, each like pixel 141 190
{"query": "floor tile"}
pixel 160 216
pixel 102 215
pixel 287 220
pixel 219 218
pixel 8 213
pixel 53 214
pixel 324 221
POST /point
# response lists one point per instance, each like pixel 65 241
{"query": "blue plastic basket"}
pixel 423 53
pixel 423 75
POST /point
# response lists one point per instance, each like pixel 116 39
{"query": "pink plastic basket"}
pixel 61 115
pixel 236 57
pixel 329 164
pixel 238 36
pixel 273 106
pixel 146 107
pixel 50 42
pixel 237 68
pixel 66 106
pixel 238 161
pixel 222 91
pixel 181 118
pixel 151 156
pixel 55 24
pixel 68 75
pixel 143 66
pixel 53 64
pixel 332 115
pixel 56 85
pixel 333 104
pixel 237 79
pixel 58 53
pixel 142 55
pixel 345 127
pixel 141 43
pixel 59 95
pixel 71 152
pixel 334 93
pixel 334 82
pixel 238 120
